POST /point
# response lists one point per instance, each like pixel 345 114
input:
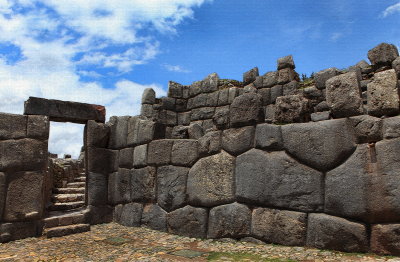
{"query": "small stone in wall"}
pixel 12 126
pixel 97 134
pixel 148 96
pixel 391 127
pixel 321 77
pixel 343 95
pixel 268 137
pixel 154 217
pixel 329 232
pixel 159 152
pixel 368 129
pixel 130 215
pixel 221 117
pixel 276 91
pixel 184 152
pixel 250 76
pixel 119 186
pixel 238 140
pixel 210 143
pixel 140 156
pixel 382 94
pixel 175 89
pixel 195 131
pixel 180 132
pixel 188 221
pixel 286 62
pixel 286 75
pixel 231 220
pixel 143 184
pixel 292 109
pixel 171 187
pixel 126 157
pixel 38 127
pixel 118 132
pixel 320 116
pixel 246 110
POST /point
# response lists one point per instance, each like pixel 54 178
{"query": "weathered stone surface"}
pixel 184 152
pixel 24 154
pixel 171 187
pixel 292 109
pixel 210 180
pixel 126 157
pixel 37 127
pixel 97 189
pixel 321 77
pixel 382 94
pixel 322 145
pixel 276 91
pixel 24 199
pixel 130 215
pixel 210 143
pixel 97 134
pixel 270 79
pixel 238 140
pixel 231 220
pixel 119 186
pixel 167 103
pixel 221 117
pixel 275 179
pixel 291 88
pixel 250 76
pixel 12 126
pixel 396 66
pixel 180 132
pixel 184 118
pixel 204 100
pixel 383 54
pixel 143 184
pixel 2 193
pixel 202 113
pixel 246 110
pixel 286 75
pixel 385 239
pixel 64 111
pixel 328 232
pixel 365 67
pixel 118 132
pixel 159 152
pixel 268 137
pixel 391 127
pixel 321 107
pixel 18 230
pixel 270 113
pixel 313 94
pixel 149 96
pixel 223 97
pixel 140 156
pixel 188 221
pixel 210 83
pixel 154 217
pixel 99 214
pixel 343 95
pixel 265 94
pixel 367 129
pixel 175 89
pixel 195 131
pixel 279 226
pixel 148 111
pixel 286 62
pixel 141 131
pixel 320 116
pixel 167 117
pixel 101 160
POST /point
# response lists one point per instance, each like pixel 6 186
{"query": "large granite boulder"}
pixel 159 152
pixel 125 159
pixel 238 140
pixel 97 189
pixel 368 129
pixel 250 76
pixel 231 220
pixel 321 76
pixel 285 62
pixel 149 96
pixel 154 217
pixel 118 132
pixel 275 179
pixel 143 184
pixel 24 199
pixel 385 239
pixel 171 186
pixel 279 226
pixel 210 180
pixel 383 54
pixel 38 127
pixel 188 221
pixel 246 110
pixel 129 214
pixel 101 160
pixel 210 143
pixel 12 126
pixel 119 186
pixel 343 95
pixel 321 145
pixel 382 94
pixel 97 134
pixel 184 152
pixel 329 232
pixel 269 137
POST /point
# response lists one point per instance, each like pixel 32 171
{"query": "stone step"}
pixel 76 184
pixel 69 190
pixel 80 179
pixel 65 218
pixel 66 206
pixel 66 230
pixel 64 198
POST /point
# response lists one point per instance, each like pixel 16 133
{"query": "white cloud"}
pixel 391 10
pixel 56 38
pixel 175 68
pixel 336 36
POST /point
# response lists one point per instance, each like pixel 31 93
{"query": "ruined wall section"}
pixel 25 186
pixel 267 158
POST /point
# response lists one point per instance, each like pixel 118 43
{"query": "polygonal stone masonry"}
pixel 171 187
pixel 188 221
pixel 143 184
pixel 154 217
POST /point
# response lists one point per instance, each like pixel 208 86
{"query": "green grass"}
pixel 217 256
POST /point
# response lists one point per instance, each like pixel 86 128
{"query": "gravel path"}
pixel 113 242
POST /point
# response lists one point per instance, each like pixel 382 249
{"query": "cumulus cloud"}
pixel 336 36
pixel 59 42
pixel 391 10
pixel 175 68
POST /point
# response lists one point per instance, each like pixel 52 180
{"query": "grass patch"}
pixel 221 256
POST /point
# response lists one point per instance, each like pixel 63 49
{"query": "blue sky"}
pixel 108 51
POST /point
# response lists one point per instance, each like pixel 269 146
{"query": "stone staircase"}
pixel 67 214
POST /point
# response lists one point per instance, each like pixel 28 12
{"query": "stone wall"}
pixel 269 158
pixel 64 170
pixel 24 182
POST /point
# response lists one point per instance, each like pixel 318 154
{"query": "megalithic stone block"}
pixel 64 111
